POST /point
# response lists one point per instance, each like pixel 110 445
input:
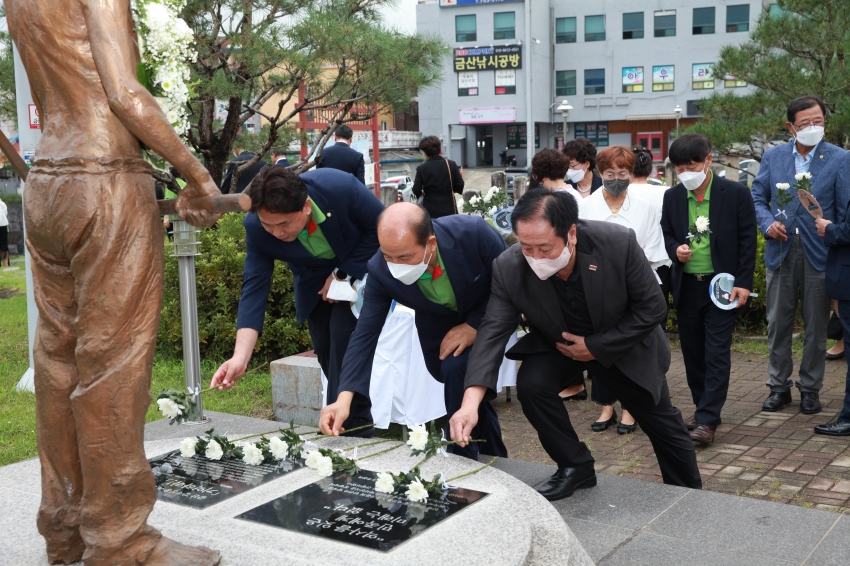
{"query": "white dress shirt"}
pixel 4 220
pixel 571 191
pixel 653 194
pixel 635 213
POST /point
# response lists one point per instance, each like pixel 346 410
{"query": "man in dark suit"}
pixel 837 237
pixel 246 177
pixel 442 270
pixel 324 225
pixel 592 302
pixel 727 244
pixel 341 156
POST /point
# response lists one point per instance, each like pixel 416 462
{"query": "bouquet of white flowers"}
pixel 487 205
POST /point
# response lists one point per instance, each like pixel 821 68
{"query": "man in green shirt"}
pixel 709 227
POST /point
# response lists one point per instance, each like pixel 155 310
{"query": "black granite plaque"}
pixel 201 482
pixel 348 509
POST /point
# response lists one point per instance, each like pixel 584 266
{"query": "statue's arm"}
pixel 115 55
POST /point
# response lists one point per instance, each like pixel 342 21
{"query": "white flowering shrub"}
pixel 165 46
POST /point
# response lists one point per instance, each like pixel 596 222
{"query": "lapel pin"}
pixel 330 214
pixel 821 156
pixel 593 267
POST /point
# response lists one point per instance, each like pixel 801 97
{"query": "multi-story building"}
pixel 632 72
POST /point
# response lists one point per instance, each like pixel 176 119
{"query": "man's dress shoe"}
pixel 692 424
pixel 776 401
pixel 833 429
pixel 565 481
pixel 703 433
pixel 809 403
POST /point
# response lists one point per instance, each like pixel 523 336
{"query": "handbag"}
pixel 451 187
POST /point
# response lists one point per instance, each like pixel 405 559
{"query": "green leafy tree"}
pixel 8 108
pixel 339 51
pixel 798 48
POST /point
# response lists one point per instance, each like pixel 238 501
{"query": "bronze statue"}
pixel 97 259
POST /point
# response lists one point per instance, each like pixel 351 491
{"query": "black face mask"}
pixel 616 187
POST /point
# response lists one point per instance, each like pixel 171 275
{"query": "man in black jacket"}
pixel 709 227
pixel 341 156
pixel 592 302
pixel 246 177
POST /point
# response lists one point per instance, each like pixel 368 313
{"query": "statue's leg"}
pixel 55 379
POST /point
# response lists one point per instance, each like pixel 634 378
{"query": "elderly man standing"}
pixel 592 302
pixel 794 254
pixel 442 270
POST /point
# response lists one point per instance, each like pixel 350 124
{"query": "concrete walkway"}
pixel 770 456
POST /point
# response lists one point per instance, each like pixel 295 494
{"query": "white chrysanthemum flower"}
pixel 474 200
pixel 325 466
pixel 799 176
pixel 279 448
pixel 169 408
pixel 807 175
pixel 312 459
pixel 252 455
pixel 701 223
pixel 783 186
pixel 492 210
pixel 384 483
pixel 214 451
pixel 416 491
pixel 487 198
pixel 418 437
pixel 187 447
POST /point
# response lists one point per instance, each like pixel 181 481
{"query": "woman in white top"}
pixel 654 194
pixel 614 203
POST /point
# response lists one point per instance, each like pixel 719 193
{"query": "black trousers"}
pixel 453 373
pixel 537 391
pixel 331 326
pixel 705 333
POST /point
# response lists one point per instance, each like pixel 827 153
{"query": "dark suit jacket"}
pixel 433 180
pixel 351 228
pixel 468 246
pixel 837 238
pixel 246 177
pixel 625 302
pixel 732 221
pixel 341 156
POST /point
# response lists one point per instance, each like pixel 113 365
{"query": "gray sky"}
pixel 403 16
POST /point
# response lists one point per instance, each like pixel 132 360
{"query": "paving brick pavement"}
pixel 772 456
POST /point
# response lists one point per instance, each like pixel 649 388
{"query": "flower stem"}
pixel 216 388
pixel 473 471
pixel 373 443
pixel 382 451
pixel 343 432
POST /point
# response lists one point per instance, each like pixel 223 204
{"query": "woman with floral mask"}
pixel 582 155
pixel 614 204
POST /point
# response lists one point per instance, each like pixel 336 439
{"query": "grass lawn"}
pixel 252 397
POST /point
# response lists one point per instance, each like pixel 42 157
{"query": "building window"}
pixel 738 18
pixel 665 23
pixel 594 28
pixel 729 81
pixel 633 25
pixel 384 125
pixel 632 79
pixel 594 81
pixel 465 28
pixel 504 25
pixel 565 30
pixel 565 83
pixel 596 132
pixel 663 78
pixel 703 21
pixel 467 83
pixel 505 81
pixel 702 78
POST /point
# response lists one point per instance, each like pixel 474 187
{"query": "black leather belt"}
pixel 700 276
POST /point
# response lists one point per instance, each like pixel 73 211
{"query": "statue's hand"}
pixel 191 206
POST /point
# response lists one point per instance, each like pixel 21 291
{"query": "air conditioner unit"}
pixel 559 128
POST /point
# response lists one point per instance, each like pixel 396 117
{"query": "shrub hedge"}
pixel 219 285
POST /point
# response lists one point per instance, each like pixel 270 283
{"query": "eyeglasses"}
pixel 805 124
pixel 610 176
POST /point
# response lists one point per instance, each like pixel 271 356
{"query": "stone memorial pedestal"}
pixel 297 389
pixel 511 525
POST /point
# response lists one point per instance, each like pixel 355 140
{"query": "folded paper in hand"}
pixel 342 291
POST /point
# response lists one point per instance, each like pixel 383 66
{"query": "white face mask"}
pixel 545 268
pixel 692 179
pixel 575 175
pixel 409 274
pixel 810 136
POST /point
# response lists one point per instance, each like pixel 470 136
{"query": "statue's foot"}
pixel 171 553
pixel 66 551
